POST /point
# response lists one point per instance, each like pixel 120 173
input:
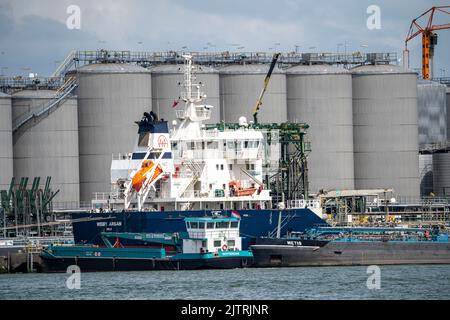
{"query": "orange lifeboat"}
pixel 140 176
pixel 238 191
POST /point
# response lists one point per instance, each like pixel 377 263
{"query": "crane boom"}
pixel 429 37
pixel 266 83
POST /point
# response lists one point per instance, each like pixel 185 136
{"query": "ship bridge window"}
pixel 231 243
pixel 194 225
pixel 234 224
pixel 222 224
pixel 144 139
pixel 210 225
pixel 201 225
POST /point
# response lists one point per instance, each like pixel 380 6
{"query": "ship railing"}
pixel 105 196
pixel 70 205
pixel 301 203
pixel 122 156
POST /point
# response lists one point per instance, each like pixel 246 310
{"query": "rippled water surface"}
pixel 397 282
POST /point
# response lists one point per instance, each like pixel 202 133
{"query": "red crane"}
pixel 429 37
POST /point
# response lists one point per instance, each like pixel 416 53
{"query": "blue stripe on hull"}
pixel 254 223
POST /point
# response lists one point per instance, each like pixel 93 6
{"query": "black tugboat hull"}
pixel 350 254
pixel 126 264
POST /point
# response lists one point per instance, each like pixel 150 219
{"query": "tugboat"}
pixel 346 246
pixel 210 243
pixel 193 169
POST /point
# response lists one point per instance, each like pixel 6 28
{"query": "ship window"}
pixel 230 144
pixel 217 167
pixel 234 224
pixel 210 225
pixel 222 224
pixel 194 225
pixel 212 145
pixel 144 139
pixel 245 144
pixel 231 243
pixel 230 167
pixel 201 225
pixel 175 146
pixel 192 145
pixel 217 243
pixel 221 167
pixel 204 243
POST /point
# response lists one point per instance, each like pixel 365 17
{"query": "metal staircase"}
pixel 66 64
pixel 67 88
pixel 197 171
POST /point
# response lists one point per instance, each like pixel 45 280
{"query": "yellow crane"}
pixel 266 83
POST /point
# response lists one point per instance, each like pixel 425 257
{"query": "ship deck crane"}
pixel 266 83
pixel 429 38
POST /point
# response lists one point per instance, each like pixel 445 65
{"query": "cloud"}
pixel 34 32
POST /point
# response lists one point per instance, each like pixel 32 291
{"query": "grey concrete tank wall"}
pixel 321 96
pixel 448 112
pixel 111 97
pixel 441 174
pixel 426 174
pixel 385 129
pixel 167 85
pixel 6 148
pixel 240 86
pixel 432 112
pixel 50 146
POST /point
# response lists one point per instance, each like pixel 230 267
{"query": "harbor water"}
pixel 395 282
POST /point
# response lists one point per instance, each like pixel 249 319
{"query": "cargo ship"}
pixel 194 169
pixel 209 243
pixel 349 246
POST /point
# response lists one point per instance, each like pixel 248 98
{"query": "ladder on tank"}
pixel 68 87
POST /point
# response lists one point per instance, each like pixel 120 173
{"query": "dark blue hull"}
pixel 254 223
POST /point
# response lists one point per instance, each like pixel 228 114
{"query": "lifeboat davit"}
pixel 140 176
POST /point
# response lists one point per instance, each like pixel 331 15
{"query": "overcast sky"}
pixel 34 36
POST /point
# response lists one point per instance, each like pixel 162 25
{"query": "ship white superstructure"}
pixel 190 166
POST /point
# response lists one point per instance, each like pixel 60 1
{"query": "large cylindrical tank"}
pixel 385 129
pixel 426 174
pixel 441 173
pixel 448 112
pixel 240 87
pixel 432 112
pixel 6 148
pixel 111 97
pixel 167 85
pixel 49 146
pixel 321 96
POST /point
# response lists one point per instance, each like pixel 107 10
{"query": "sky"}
pixel 34 36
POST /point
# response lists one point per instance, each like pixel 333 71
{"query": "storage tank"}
pixel 49 146
pixel 321 96
pixel 448 112
pixel 111 97
pixel 441 173
pixel 167 85
pixel 385 129
pixel 6 150
pixel 432 112
pixel 240 87
pixel 426 174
